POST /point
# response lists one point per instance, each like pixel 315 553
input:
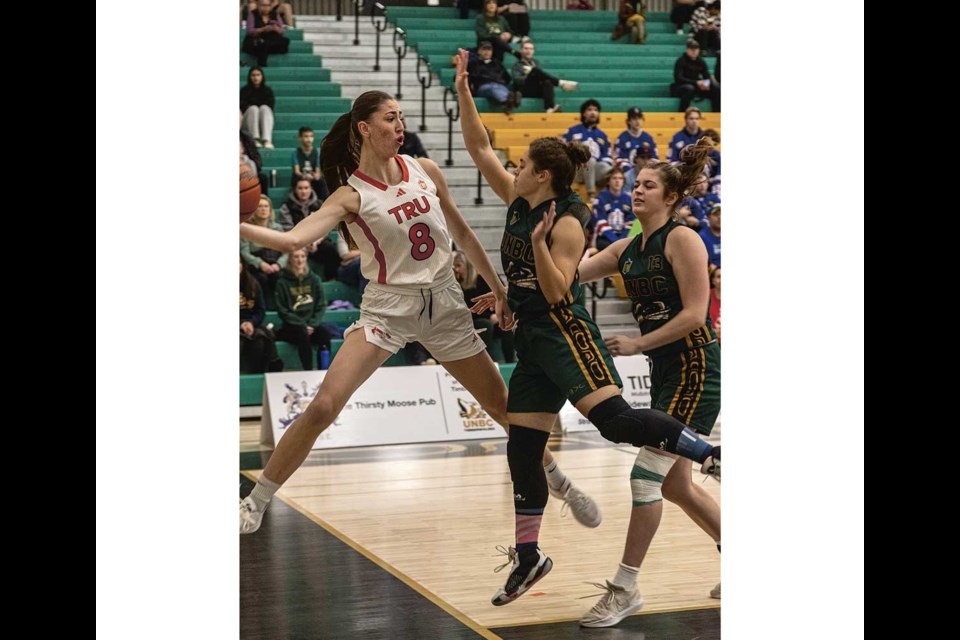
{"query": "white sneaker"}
pixel 584 508
pixel 250 516
pixel 715 592
pixel 711 467
pixel 267 144
pixel 615 605
pixel 679 32
pixel 522 577
pixel 568 85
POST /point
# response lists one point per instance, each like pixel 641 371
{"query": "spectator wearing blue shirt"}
pixel 596 140
pixel 632 142
pixel 613 210
pixel 689 135
pixel 711 235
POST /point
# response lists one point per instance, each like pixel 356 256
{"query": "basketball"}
pixel 249 192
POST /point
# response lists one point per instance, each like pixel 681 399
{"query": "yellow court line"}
pixel 642 613
pixel 396 573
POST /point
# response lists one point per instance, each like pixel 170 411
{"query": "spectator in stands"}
pixel 258 353
pixel 489 79
pixel 682 12
pixel 301 202
pixel 256 105
pixel 283 9
pixel 634 140
pixel 263 262
pixel 264 33
pixel 596 141
pixel 248 150
pixel 493 28
pixel 631 20
pixel 486 323
pixel 412 146
pixel 580 5
pixel 715 300
pixel 305 161
pixel 613 211
pixel 692 79
pixel 517 17
pixel 711 235
pixel 705 26
pixel 531 81
pixel 693 209
pixel 300 304
pixel 349 272
pixel 689 135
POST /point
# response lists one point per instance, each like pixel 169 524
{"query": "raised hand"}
pixel 543 227
pixel 461 82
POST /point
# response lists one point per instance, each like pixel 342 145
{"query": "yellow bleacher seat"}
pixel 615 121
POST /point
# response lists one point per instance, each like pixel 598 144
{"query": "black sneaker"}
pixel 527 571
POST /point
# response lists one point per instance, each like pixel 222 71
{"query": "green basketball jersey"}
pixel 516 253
pixel 655 293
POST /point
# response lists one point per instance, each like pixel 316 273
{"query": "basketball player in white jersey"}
pixel 400 215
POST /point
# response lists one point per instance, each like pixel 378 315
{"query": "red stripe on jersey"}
pixel 403 167
pixel 377 251
pixel 371 181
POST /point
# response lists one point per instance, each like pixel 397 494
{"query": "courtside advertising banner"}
pixel 396 405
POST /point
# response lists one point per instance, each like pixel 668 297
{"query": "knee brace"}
pixel 525 457
pixel 647 476
pixel 618 422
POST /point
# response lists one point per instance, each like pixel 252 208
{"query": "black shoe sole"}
pixel 544 570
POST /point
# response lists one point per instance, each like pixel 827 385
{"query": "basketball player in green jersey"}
pixel 560 353
pixel 665 274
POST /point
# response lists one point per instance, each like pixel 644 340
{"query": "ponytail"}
pixel 340 149
pixel 682 177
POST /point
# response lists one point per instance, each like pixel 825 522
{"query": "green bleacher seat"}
pixel 290 139
pixel 339 317
pixel 251 390
pixel 303 89
pixel 293 34
pixel 296 46
pixel 311 104
pixel 277 73
pixel 294 121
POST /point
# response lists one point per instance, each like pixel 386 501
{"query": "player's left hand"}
pixel 622 345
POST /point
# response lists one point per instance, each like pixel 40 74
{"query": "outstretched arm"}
pixel 604 263
pixel 476 140
pixel 343 203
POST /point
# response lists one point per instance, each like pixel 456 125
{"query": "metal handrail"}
pixel 380 24
pixel 452 116
pixel 401 52
pixel 426 81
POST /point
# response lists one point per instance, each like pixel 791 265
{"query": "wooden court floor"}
pixel 399 542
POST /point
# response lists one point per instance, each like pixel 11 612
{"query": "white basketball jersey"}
pixel 400 231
